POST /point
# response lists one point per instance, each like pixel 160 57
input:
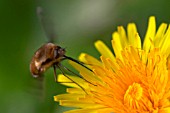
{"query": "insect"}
pixel 46 56
pixel 49 55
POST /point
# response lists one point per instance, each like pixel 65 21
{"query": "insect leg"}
pixel 55 75
pixel 76 74
pixel 59 66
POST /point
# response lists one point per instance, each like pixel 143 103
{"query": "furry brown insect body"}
pixel 46 56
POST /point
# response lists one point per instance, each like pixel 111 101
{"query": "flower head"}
pixel 133 79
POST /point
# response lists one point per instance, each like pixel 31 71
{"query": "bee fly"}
pixel 47 56
pixel 50 55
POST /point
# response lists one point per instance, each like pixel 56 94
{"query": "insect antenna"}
pixel 59 67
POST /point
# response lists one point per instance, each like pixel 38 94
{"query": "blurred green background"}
pixel 78 24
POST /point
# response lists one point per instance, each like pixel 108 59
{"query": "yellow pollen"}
pixel 133 95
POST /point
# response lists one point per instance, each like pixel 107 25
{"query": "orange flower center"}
pixel 133 95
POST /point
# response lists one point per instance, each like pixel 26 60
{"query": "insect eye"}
pixel 59 52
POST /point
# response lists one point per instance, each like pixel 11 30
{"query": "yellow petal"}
pixel 132 31
pixel 116 44
pixel 165 45
pixel 137 40
pixel 75 91
pixel 83 111
pixel 68 97
pixel 72 81
pixel 159 35
pixel 149 34
pixel 106 110
pixel 104 50
pixel 87 59
pixel 80 104
pixel 123 36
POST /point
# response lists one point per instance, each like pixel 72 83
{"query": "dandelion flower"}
pixel 133 79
